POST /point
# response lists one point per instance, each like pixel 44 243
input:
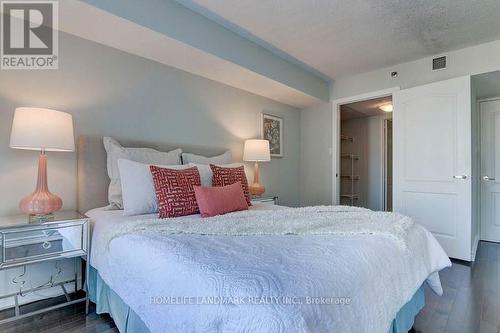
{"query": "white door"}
pixel 490 170
pixel 432 161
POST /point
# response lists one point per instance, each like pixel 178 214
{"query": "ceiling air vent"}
pixel 439 63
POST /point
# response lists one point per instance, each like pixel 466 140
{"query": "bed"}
pixel 151 277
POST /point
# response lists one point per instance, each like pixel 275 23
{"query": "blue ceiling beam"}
pixel 176 21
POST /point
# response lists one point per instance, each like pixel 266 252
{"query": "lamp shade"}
pixel 256 151
pixel 42 129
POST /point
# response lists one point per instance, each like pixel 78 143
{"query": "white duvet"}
pixel 178 279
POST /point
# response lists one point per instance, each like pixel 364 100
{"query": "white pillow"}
pixel 144 155
pixel 225 158
pixel 138 189
pixel 206 172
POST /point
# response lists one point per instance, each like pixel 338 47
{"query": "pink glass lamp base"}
pixel 256 188
pixel 41 203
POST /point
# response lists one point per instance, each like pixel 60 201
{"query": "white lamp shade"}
pixel 42 129
pixel 256 151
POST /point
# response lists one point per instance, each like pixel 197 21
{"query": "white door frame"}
pixel 384 163
pixel 480 171
pixel 336 132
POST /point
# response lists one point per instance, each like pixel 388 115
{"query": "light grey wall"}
pixel 476 167
pixel 113 93
pixel 473 60
pixel 468 61
pixel 315 155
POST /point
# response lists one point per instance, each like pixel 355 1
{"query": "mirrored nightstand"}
pixel 23 243
pixel 273 200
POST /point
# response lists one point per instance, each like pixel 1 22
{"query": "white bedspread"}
pixel 268 279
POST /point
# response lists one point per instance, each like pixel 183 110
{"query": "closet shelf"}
pixel 346 138
pixel 349 177
pixel 350 196
pixel 350 156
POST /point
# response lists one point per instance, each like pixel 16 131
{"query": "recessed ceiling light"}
pixel 386 107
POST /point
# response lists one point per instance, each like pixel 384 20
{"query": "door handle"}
pixel 460 177
pixel 486 178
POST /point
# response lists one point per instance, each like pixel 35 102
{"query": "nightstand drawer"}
pixel 32 244
pixel 42 242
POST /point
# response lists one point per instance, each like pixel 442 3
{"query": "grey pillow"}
pixel 115 152
pixel 206 173
pixel 225 158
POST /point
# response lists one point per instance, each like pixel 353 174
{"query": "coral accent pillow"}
pixel 175 191
pixel 214 201
pixel 227 176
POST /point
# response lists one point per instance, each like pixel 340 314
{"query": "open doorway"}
pixel 365 176
pixel 485 168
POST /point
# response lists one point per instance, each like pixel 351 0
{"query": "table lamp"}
pixel 43 130
pixel 256 150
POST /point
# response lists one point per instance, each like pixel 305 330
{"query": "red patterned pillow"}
pixel 227 176
pixel 174 191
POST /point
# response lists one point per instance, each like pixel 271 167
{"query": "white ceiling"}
pixel 363 109
pixel 339 37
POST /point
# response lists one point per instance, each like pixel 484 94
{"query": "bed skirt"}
pixel 127 321
pixel 107 301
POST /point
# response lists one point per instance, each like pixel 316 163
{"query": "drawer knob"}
pixel 46 245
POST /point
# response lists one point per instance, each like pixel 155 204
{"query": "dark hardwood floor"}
pixel 70 319
pixel 471 298
pixel 470 304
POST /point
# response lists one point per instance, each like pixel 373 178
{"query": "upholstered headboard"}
pixel 93 180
